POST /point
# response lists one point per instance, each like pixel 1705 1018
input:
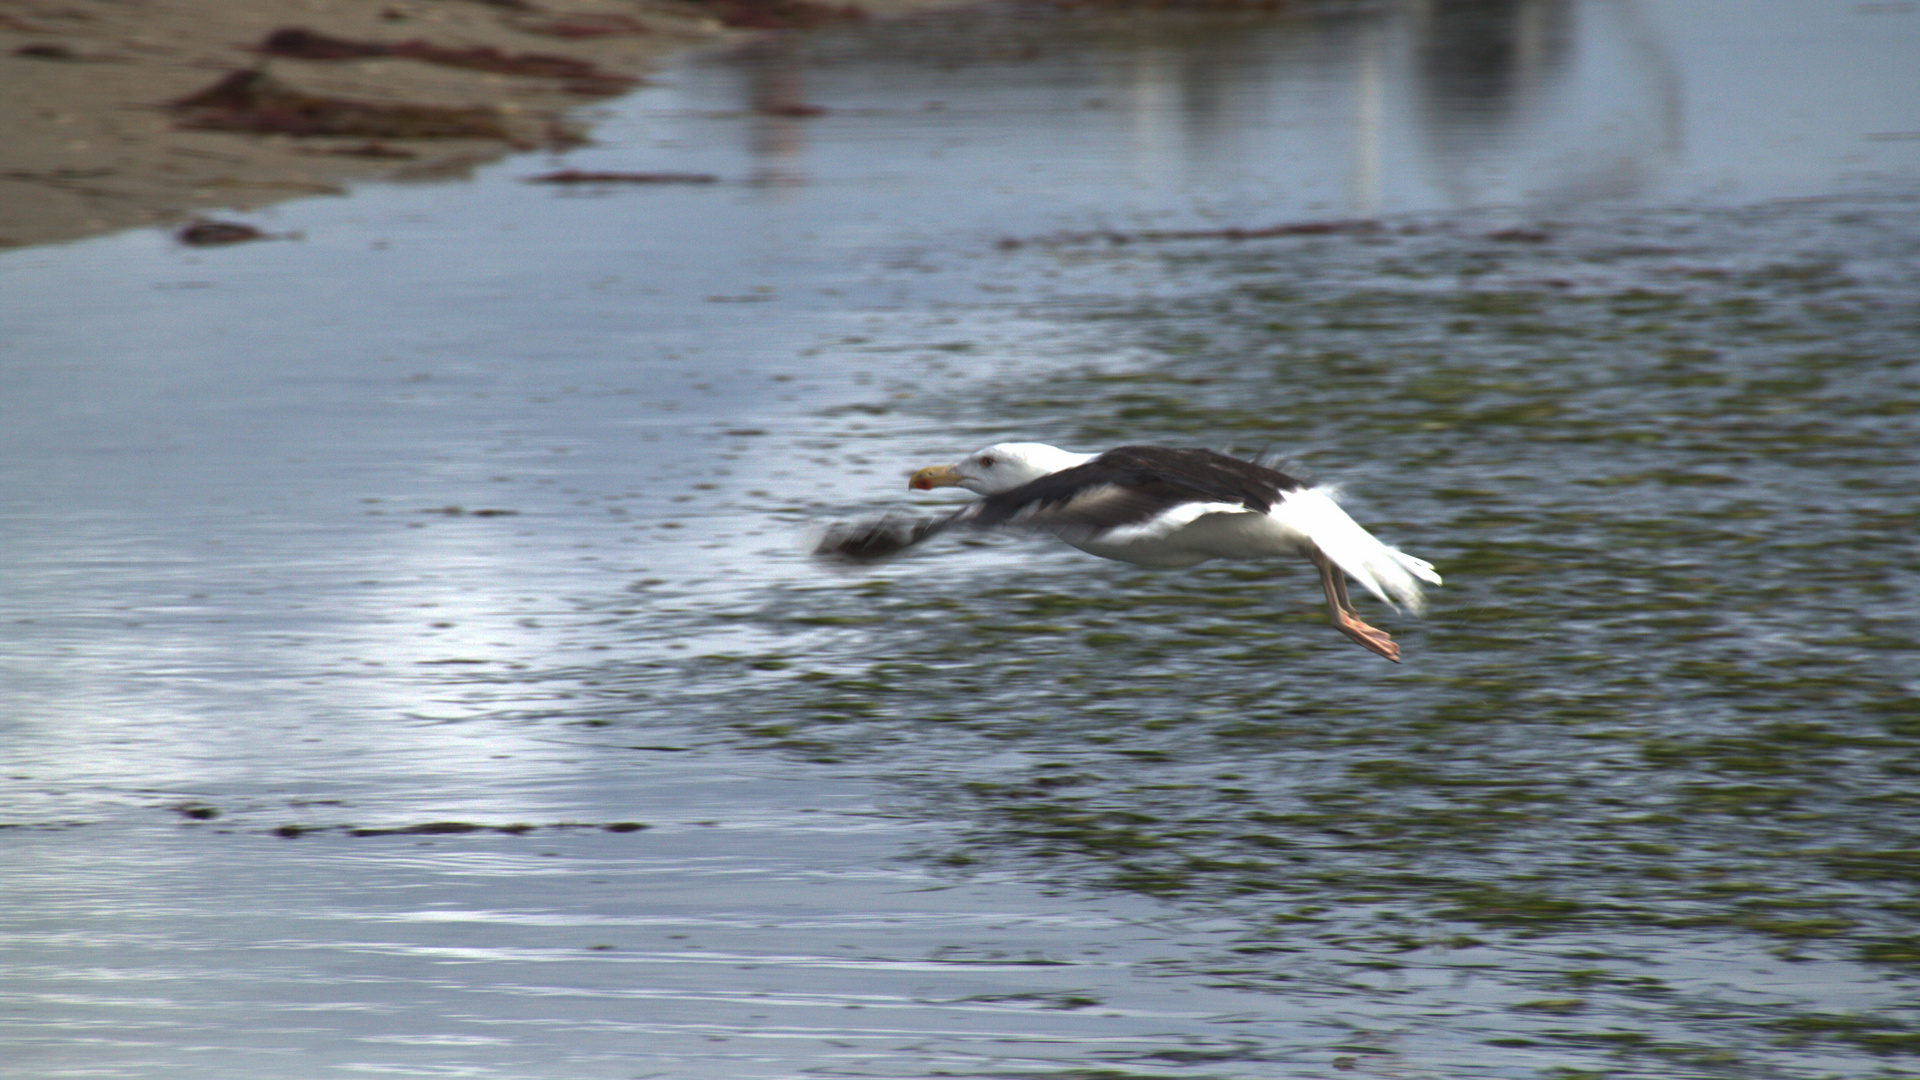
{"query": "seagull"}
pixel 1160 507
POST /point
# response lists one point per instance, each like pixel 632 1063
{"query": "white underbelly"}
pixel 1246 534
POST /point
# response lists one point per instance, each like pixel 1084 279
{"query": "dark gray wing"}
pixel 1129 486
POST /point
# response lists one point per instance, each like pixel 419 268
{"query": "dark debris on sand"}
pixel 251 100
pixel 576 75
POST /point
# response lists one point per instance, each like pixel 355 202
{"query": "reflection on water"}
pixel 1478 65
pixel 1541 103
pixel 1480 68
pixel 364 593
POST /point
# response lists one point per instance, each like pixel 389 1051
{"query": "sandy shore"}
pixel 95 142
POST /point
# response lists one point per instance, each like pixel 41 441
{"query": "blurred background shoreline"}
pixel 96 141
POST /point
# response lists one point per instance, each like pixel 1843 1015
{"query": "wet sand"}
pixel 93 145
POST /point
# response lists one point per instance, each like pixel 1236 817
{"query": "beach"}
pixel 99 141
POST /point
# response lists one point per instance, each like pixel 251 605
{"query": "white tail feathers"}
pixel 1393 576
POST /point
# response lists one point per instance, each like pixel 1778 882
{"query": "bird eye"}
pixel 986 461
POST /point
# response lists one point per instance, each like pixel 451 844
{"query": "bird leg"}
pixel 1345 618
pixel 1339 588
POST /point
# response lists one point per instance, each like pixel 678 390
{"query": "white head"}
pixel 1000 467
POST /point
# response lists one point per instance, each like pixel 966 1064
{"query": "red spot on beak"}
pixel 919 484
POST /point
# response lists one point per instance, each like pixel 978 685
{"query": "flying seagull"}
pixel 1162 507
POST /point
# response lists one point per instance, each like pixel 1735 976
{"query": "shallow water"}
pixel 366 592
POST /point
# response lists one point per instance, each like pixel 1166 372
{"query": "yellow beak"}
pixel 933 476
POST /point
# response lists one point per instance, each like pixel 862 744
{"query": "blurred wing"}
pixel 879 538
pixel 1134 492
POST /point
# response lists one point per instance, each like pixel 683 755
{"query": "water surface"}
pixel 367 592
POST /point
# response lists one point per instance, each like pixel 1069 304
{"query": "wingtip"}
pixel 859 543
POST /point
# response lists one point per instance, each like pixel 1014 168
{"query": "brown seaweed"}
pixel 792 110
pixel 250 100
pixel 294 831
pixel 585 25
pixel 581 176
pixel 46 50
pixel 371 149
pixel 779 14
pixel 205 232
pixel 1357 226
pixel 581 76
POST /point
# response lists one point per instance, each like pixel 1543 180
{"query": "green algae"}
pixel 1664 704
